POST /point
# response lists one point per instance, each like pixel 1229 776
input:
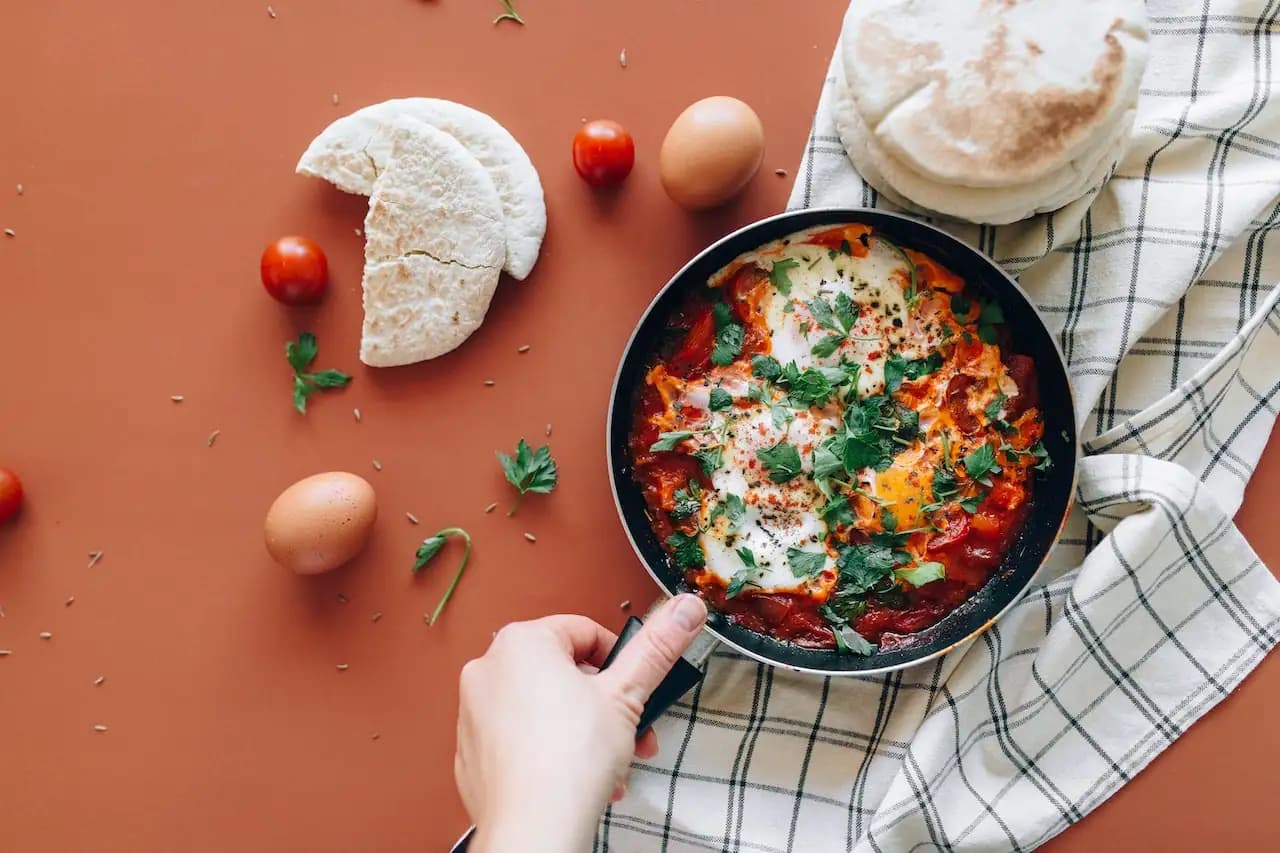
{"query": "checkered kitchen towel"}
pixel 1162 291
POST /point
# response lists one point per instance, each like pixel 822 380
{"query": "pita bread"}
pixel 351 153
pixel 991 205
pixel 993 93
pixel 434 246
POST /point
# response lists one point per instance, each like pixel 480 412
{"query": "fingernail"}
pixel 689 612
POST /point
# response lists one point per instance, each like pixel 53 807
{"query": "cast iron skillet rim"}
pixel 852 213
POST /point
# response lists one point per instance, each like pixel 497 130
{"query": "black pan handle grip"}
pixel 679 681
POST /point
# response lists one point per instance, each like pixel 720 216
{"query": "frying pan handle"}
pixel 682 677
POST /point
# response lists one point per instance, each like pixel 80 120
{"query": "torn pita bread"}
pixel 351 153
pixel 434 247
pixel 993 93
pixel 990 205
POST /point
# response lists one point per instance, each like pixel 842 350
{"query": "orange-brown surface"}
pixel 156 144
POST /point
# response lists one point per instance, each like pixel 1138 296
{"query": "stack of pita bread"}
pixel 453 200
pixel 988 110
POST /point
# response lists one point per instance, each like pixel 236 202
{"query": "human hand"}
pixel 544 739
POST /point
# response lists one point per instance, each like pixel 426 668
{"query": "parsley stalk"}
pixel 429 548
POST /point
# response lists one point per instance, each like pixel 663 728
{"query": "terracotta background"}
pixel 156 143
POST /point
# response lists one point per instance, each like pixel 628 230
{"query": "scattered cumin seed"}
pixel 413 519
pixel 426 617
pixel 97 682
pixel 531 537
pixel 71 599
pixel 489 383
pixel 4 653
pixel 342 599
pixel 491 507
pixel 343 667
pixel 622 58
pixel 271 12
pixel 626 605
pixel 213 436
pixel 46 635
pixel 375 736
pixel 21 189
pixel 9 232
pixel 356 414
pixel 359 233
pixel 94 557
pixel 376 616
pixel 377 466
pixel 177 398
pixel 99 728
pixel 781 173
pixel 548 430
pixel 523 348
pixel 335 99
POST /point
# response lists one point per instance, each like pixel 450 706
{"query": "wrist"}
pixel 536 828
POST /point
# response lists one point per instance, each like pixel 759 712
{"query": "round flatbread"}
pixel 351 153
pixel 434 246
pixel 991 205
pixel 993 93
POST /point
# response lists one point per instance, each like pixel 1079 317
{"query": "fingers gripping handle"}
pixel 682 677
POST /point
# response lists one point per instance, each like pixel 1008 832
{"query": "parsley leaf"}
pixel 766 367
pixel 529 471
pixel 686 551
pixel 669 440
pixel 995 408
pixel 781 416
pixel 805 564
pixel 959 306
pixel 846 313
pixel 782 461
pixel 848 641
pixel 300 355
pixel 922 573
pixel 1038 450
pixel 971 503
pixel 733 508
pixel 755 392
pixel 827 346
pixel 863 566
pixel 427 552
pixel 719 399
pixel 836 511
pixel 981 462
pixel 729 335
pixel 945 485
pixel 688 501
pixel 810 388
pixel 778 274
pixel 710 459
pixel 897 368
pixel 988 318
pixel 824 315
pixel 828 457
pixel 749 575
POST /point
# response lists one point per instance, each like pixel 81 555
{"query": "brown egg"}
pixel 712 149
pixel 320 522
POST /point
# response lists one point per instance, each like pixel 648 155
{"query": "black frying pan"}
pixel 1053 490
pixel 1052 494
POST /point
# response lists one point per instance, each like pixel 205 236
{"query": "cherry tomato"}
pixel 295 271
pixel 10 494
pixel 603 152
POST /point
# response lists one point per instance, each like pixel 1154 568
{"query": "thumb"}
pixel 646 660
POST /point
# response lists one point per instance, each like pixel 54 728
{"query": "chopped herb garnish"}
pixel 981 463
pixel 427 551
pixel 848 641
pixel 863 566
pixel 766 367
pixel 989 317
pixel 729 336
pixel 971 503
pixel 911 267
pixel 781 416
pixel 710 459
pixel 778 274
pixel 751 574
pixel 669 440
pixel 921 573
pixel 300 355
pixel 733 508
pixel 529 471
pixel 897 368
pixel 805 564
pixel 782 461
pixel 509 15
pixel 1038 450
pixel 836 511
pixel 959 306
pixel 995 409
pixel 686 551
pixel 720 399
pixel 687 501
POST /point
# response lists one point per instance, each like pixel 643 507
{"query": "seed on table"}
pixel 94 557
pixel 4 653
pixel 335 99
pixel 356 413
pixel 375 736
pixel 490 383
pixel 99 728
pixel 626 605
pixel 271 12
pixel 781 173
pixel 376 616
pixel 491 507
pixel 213 436
pixel 343 667
pixel 377 466
pixel 622 58
pixel 97 682
pixel 531 537
pixel 21 189
pixel 523 348
pixel 71 599
pixel 342 599
pixel 46 635
pixel 548 430
pixel 359 233
pixel 9 232
pixel 177 398
pixel 413 519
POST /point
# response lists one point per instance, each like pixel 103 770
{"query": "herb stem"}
pixel 515 505
pixel 457 575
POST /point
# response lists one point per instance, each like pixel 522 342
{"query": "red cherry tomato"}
pixel 10 494
pixel 295 271
pixel 603 152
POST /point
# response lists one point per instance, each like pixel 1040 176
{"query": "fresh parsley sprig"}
pixel 510 14
pixel 428 550
pixel 300 355
pixel 529 471
pixel 778 274
pixel 729 336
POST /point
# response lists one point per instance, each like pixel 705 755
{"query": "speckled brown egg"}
pixel 320 522
pixel 711 151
